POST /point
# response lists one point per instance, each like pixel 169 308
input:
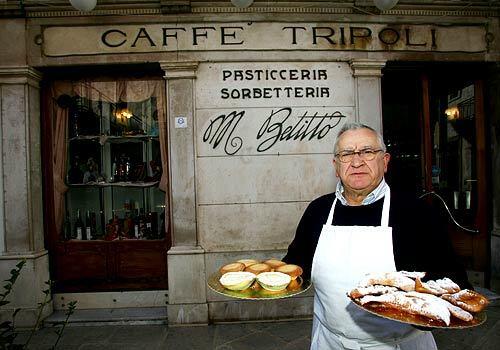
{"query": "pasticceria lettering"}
pixel 274 74
pixel 337 37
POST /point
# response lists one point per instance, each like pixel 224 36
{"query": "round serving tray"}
pixel 256 293
pixel 417 320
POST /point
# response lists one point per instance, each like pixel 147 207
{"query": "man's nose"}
pixel 357 160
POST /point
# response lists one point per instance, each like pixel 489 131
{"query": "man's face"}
pixel 361 175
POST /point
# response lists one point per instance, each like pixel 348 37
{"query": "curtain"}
pixel 59 152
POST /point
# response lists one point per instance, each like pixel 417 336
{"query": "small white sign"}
pixel 180 122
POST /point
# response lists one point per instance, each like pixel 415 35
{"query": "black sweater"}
pixel 419 235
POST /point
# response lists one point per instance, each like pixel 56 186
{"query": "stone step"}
pixel 122 316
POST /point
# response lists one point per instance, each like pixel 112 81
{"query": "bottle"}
pixel 67 228
pixel 116 226
pixel 93 225
pixel 127 168
pixel 87 233
pixel 152 224
pixel 142 224
pixel 128 226
pixel 76 124
pixel 78 226
pixel 136 224
pixel 113 172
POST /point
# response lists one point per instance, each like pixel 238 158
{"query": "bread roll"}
pixel 292 270
pixel 258 268
pixel 274 263
pixel 248 262
pixel 233 267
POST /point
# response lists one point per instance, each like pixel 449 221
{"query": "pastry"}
pixel 273 281
pixel 428 287
pixel 394 279
pixel 468 300
pixel 274 263
pixel 292 270
pixel 248 262
pixel 258 268
pixel 454 310
pixel 413 274
pixel 232 267
pixel 371 290
pixel 411 304
pixel 237 280
pixel 447 284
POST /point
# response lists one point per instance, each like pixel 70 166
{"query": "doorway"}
pixel 435 127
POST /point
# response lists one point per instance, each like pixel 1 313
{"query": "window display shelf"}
pixel 102 139
pixel 117 184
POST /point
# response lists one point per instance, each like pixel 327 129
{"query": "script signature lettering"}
pixel 308 127
pixel 222 128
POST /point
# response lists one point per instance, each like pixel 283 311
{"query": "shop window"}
pixel 109 174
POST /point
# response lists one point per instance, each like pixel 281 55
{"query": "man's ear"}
pixel 334 162
pixel 387 158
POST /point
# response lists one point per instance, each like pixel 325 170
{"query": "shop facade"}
pixel 143 148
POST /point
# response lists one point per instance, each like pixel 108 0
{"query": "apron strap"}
pixel 385 209
pixel 330 216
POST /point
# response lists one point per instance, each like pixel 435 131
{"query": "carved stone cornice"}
pixel 62 8
pixel 367 67
pixel 175 6
pixel 20 75
pixel 179 70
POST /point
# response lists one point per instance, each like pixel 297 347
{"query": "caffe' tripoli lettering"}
pixel 350 37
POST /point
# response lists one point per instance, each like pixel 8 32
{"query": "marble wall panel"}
pixel 240 227
pixel 14 155
pixel 264 179
pixel 186 278
pixel 13 42
pixel 35 169
pixel 249 310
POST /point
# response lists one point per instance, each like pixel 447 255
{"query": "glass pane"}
pixel 454 153
pixel 85 164
pixel 402 135
pixel 114 163
pixel 82 203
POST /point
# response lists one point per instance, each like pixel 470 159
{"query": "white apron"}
pixel 344 254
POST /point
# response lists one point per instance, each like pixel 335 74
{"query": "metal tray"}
pixel 417 320
pixel 256 293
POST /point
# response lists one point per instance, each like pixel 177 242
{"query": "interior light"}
pixel 123 114
pixel 452 113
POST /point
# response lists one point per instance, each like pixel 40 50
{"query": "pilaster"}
pixel 368 91
pixel 187 294
pixel 21 215
pixel 180 80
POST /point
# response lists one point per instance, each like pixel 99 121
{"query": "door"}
pixel 435 129
pixel 455 161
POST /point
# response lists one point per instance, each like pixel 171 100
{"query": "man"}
pixel 363 228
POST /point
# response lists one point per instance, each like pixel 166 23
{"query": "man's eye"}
pixel 368 151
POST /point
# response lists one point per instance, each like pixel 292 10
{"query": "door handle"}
pixel 449 212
